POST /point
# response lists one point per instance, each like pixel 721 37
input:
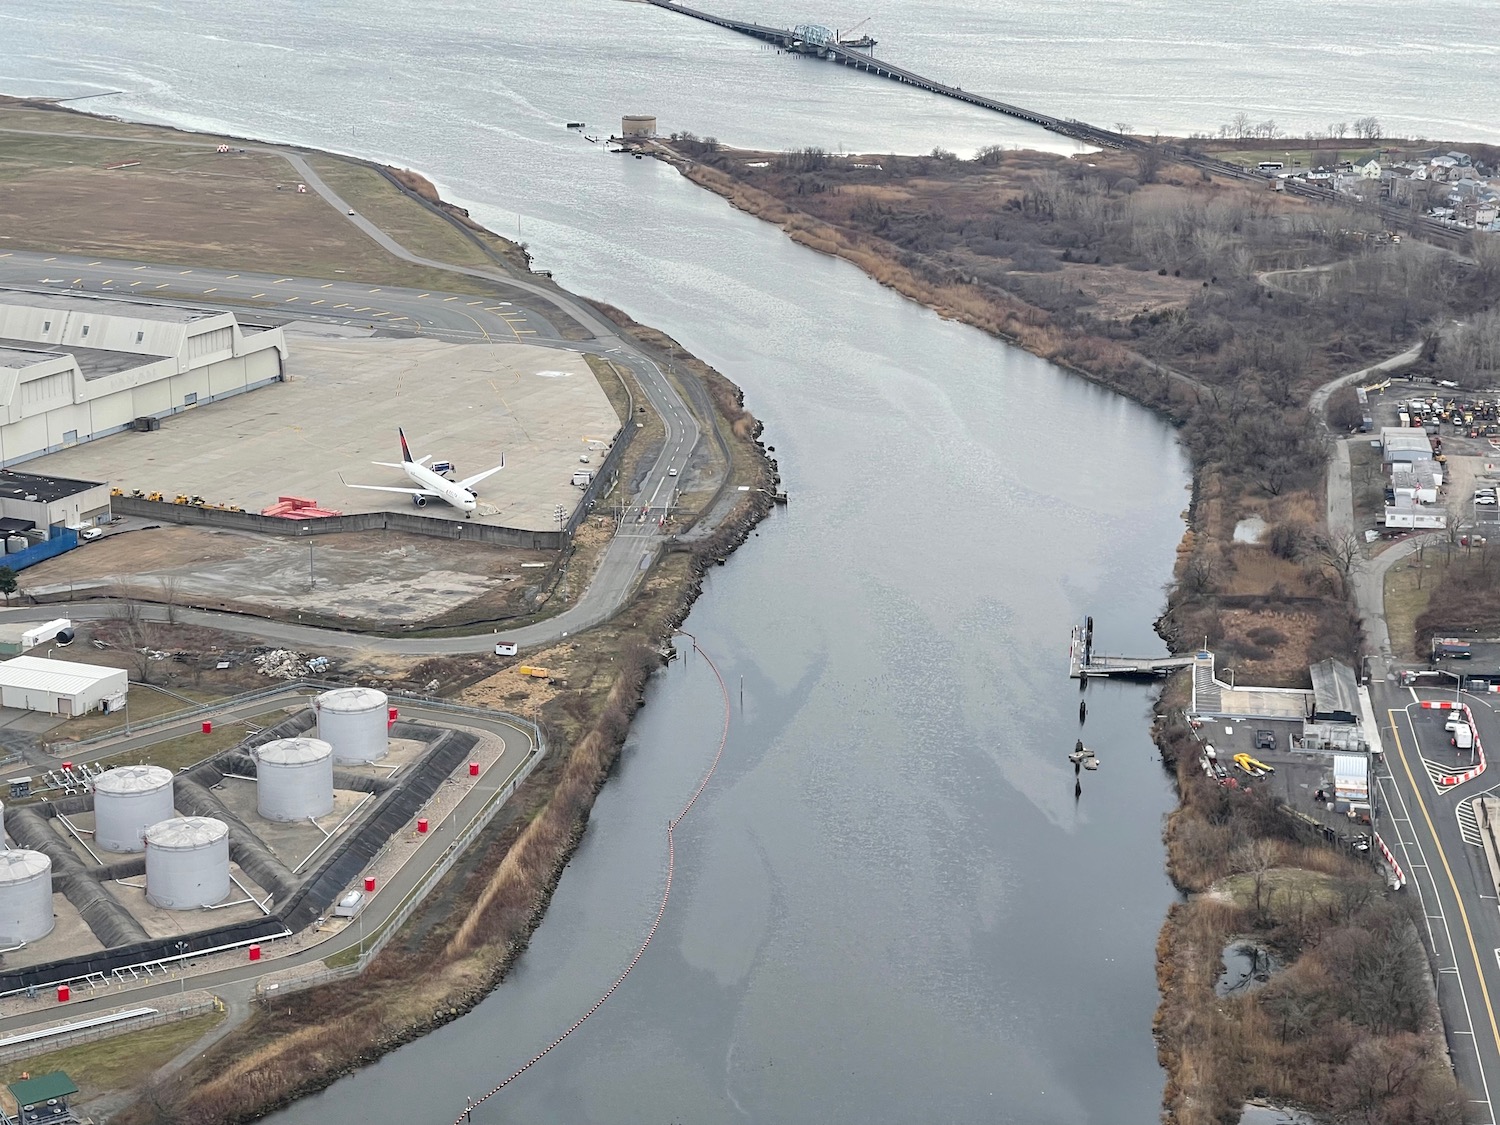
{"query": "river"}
pixel 889 905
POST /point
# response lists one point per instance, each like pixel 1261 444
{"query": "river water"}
pixel 889 905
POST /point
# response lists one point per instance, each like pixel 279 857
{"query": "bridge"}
pixel 1084 663
pixel 804 40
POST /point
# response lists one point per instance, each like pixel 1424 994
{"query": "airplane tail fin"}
pixel 405 450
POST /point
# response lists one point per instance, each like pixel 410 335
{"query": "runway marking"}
pixel 253 296
pixel 328 286
pixel 184 273
pixel 213 290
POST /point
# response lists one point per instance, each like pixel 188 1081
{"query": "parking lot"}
pixel 1296 775
pixel 542 409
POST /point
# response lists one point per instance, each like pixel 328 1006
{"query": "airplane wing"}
pixel 392 488
pixel 470 482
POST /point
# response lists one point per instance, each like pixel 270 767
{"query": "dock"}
pixel 1084 663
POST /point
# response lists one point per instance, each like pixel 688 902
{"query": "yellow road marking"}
pixel 107 281
pixel 133 284
pixel 1452 882
pixel 482 332
pixel 473 303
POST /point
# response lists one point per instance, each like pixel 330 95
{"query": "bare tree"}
pixel 1340 552
pixel 1338 130
pixel 171 585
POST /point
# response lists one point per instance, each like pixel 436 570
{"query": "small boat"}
pixel 575 124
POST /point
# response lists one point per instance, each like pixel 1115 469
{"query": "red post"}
pixel 67 765
pixel 473 769
pixel 63 992
pixel 394 714
pixel 208 727
pixel 255 953
pixel 369 884
pixel 422 825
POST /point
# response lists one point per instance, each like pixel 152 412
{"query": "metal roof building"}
pixel 58 687
pixel 1335 692
pixel 75 367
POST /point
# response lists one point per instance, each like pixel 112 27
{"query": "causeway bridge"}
pixel 805 40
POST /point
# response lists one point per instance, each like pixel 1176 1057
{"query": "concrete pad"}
pixel 289 841
pixel 339 410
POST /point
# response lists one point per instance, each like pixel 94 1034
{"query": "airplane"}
pixel 458 493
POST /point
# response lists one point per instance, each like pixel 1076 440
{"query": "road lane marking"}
pixel 253 296
pixel 319 301
pixel 231 277
pixel 213 290
pixel 184 273
pixel 328 286
pixel 96 263
pixel 1458 898
pixel 447 299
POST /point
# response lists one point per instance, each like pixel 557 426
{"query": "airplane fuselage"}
pixel 450 491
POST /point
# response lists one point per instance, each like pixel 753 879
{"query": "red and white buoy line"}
pixel 660 910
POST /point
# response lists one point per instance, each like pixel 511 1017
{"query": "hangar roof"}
pixel 95 363
pixel 62 676
pixel 105 306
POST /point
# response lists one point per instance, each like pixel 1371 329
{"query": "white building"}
pixel 75 367
pixel 59 687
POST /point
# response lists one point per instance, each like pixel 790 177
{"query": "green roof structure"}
pixel 43 1088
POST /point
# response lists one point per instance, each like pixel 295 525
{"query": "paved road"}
pixel 1419 821
pixel 236 981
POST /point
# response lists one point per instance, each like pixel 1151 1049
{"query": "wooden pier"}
pixel 1084 663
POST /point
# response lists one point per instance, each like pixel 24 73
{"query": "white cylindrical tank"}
pixel 638 125
pixel 25 895
pixel 353 721
pixel 127 801
pixel 187 862
pixel 294 779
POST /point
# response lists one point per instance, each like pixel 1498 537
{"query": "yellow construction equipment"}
pixel 181 499
pixel 117 492
pixel 528 670
pixel 155 496
pixel 1370 388
pixel 1253 767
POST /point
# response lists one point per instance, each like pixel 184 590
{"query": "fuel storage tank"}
pixel 127 801
pixel 25 896
pixel 294 779
pixel 353 721
pixel 187 862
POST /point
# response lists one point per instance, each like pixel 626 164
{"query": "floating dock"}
pixel 1084 663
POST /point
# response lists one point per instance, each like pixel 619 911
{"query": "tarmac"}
pixel 538 409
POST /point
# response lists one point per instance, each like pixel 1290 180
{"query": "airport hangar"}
pixel 74 368
pixel 331 404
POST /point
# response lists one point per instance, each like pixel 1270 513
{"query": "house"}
pixel 1369 170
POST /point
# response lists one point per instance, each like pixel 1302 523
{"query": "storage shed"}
pixel 1335 693
pixel 58 687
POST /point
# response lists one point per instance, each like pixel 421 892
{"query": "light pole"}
pixel 182 948
pixel 311 581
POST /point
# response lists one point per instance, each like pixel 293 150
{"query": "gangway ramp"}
pixel 1085 663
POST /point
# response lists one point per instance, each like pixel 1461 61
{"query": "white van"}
pixel 1463 736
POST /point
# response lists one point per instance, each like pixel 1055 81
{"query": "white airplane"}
pixel 433 487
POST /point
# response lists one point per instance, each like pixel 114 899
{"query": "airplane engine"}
pixel 419 501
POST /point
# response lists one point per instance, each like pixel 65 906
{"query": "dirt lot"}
pixel 374 576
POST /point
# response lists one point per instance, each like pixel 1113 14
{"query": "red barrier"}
pixel 369 883
pixel 63 992
pixel 208 727
pixel 422 824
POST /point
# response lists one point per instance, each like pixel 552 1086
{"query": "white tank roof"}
pixel 19 866
pixel 133 779
pixel 294 751
pixel 352 699
pixel 186 832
